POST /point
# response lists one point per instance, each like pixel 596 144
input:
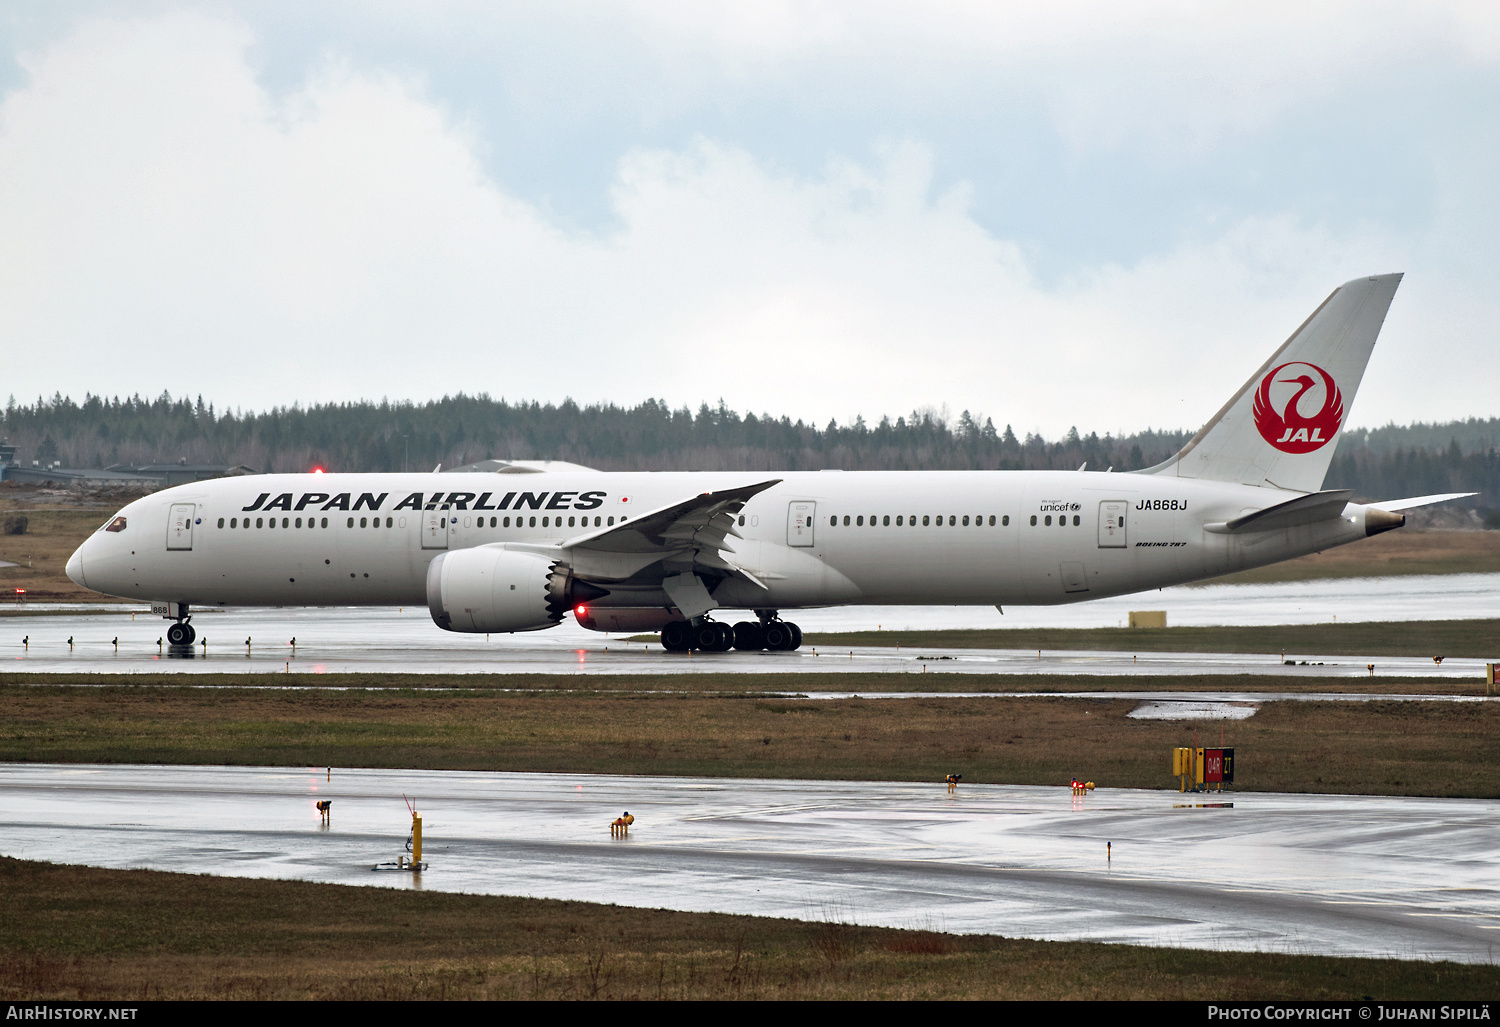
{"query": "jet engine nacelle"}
pixel 493 590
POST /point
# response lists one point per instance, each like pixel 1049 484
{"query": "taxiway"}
pixel 1342 875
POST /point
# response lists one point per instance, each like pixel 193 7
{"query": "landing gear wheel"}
pixel 181 634
pixel 749 636
pixel 777 638
pixel 675 637
pixel 709 637
pixel 796 636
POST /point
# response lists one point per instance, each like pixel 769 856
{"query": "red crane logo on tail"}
pixel 1291 430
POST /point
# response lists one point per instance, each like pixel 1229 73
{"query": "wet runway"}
pixel 1412 878
pixel 353 640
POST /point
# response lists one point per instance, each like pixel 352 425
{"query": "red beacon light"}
pixel 317 470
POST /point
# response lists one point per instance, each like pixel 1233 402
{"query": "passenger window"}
pixel 546 525
pixel 351 522
pixel 1062 520
pixel 846 520
pixel 533 522
pixel 885 521
pixel 966 520
pixel 924 520
pixel 389 522
pixel 505 523
pixel 1004 521
pixel 860 521
pixel 1076 521
pixel 611 523
pixel 570 522
pixel 325 522
pixel 363 522
pixel 872 520
pixel 912 520
pixel 598 521
pixel 1048 521
pixel 299 522
pixel 952 520
pixel 742 520
pixel 221 522
pixel 992 520
pixel 1033 520
pixel 899 520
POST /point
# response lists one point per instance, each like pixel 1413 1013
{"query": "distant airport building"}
pixel 153 476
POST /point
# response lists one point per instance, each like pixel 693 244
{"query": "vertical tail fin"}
pixel 1281 428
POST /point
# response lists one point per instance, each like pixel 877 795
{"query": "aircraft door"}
pixel 799 523
pixel 1112 524
pixel 434 529
pixel 180 526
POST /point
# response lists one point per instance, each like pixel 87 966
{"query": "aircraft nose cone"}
pixel 75 568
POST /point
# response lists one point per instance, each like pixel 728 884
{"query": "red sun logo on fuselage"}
pixel 1284 424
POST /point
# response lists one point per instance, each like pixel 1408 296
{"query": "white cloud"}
pixel 1175 74
pixel 166 224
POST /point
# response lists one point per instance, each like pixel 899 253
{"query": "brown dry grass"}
pixel 1471 638
pixel 1392 552
pixel 1369 747
pixel 771 684
pixel 88 934
pixel 42 553
pixel 708 683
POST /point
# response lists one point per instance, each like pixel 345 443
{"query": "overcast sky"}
pixel 1098 214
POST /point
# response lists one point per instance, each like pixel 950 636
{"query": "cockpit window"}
pixel 118 524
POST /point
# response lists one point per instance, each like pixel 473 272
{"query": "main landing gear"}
pixel 770 632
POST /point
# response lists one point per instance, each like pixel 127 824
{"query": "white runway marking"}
pixel 1360 875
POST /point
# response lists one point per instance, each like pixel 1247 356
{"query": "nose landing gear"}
pixel 181 633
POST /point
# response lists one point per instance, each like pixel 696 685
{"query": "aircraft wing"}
pixel 689 534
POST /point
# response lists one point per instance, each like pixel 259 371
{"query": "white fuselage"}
pixel 887 537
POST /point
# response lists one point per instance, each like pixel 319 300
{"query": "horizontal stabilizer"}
pixel 1392 505
pixel 1315 506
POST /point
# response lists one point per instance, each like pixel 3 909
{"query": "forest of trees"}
pixel 1394 461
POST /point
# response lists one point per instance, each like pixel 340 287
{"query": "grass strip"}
pixel 83 933
pixel 1367 747
pixel 1471 638
pixel 708 683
